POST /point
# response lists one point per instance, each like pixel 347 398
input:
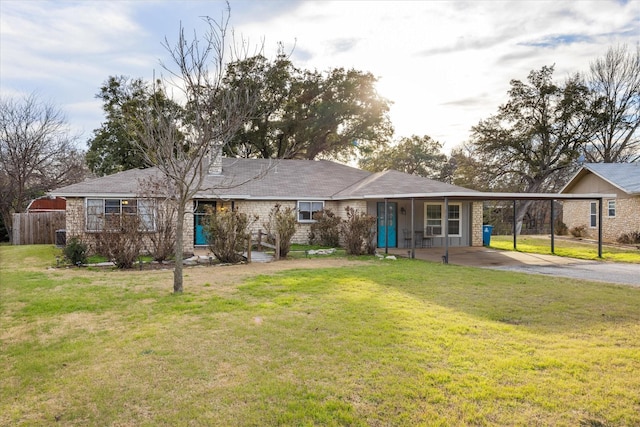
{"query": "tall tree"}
pixel 308 114
pixel 416 155
pixel 178 144
pixel 113 147
pixel 615 83
pixel 532 142
pixel 37 153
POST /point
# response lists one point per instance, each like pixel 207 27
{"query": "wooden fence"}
pixel 36 228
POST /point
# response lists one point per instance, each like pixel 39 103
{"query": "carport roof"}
pixel 479 196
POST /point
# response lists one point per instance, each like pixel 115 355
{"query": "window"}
pixel 453 220
pixel 433 218
pixel 611 208
pixel 307 209
pixel 593 215
pixel 101 211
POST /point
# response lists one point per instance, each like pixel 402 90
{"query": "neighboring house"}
pixel 621 215
pixel 254 186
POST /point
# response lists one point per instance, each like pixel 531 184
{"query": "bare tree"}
pixel 178 143
pixel 615 82
pixel 37 153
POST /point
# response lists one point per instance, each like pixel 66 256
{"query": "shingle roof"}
pixel 273 180
pixel 625 176
pixel 394 182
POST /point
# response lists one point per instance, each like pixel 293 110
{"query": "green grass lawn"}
pixel 572 248
pixel 380 343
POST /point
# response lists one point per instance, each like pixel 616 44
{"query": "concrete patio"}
pixel 483 257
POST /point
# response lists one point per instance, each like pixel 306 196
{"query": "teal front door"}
pixel 387 235
pixel 200 237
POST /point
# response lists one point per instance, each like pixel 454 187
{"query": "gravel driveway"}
pixel 628 274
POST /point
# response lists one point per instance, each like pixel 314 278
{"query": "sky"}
pixel 444 65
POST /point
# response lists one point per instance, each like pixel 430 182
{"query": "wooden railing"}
pixel 259 238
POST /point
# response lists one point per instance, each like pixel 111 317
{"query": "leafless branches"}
pixel 37 152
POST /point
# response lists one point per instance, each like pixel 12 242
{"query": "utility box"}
pixel 61 238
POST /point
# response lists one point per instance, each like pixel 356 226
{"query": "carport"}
pixel 478 196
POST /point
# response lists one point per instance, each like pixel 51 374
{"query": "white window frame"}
pixel 310 207
pixel 436 223
pixel 97 209
pixel 611 207
pixel 593 214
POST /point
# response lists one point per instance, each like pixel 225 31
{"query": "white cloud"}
pixel 445 65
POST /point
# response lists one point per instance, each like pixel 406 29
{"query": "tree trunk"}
pixel 521 210
pixel 179 249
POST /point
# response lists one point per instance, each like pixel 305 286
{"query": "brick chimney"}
pixel 215 159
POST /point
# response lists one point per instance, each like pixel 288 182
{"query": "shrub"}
pixel 630 238
pixel 121 240
pixel 358 232
pixel 282 221
pixel 561 228
pixel 226 233
pixel 76 251
pixel 162 238
pixel 579 231
pixel 326 230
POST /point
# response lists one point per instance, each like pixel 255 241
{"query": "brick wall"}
pixel 577 212
pixel 301 236
pixel 76 220
pixel 476 223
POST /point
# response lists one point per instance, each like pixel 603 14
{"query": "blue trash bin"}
pixel 486 234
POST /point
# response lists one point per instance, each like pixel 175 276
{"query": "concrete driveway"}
pixel 551 265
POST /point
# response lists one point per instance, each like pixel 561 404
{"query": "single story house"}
pixel 621 213
pixel 406 211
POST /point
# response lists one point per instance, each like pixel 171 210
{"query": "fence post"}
pixel 260 240
pixel 249 247
pixel 277 246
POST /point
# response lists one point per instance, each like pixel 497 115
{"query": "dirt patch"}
pixel 233 274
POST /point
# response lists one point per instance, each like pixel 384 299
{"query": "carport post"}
pixel 386 227
pixel 413 234
pixel 553 247
pixel 600 227
pixel 514 224
pixel 446 230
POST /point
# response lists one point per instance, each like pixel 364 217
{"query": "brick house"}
pixel 400 201
pixel 620 215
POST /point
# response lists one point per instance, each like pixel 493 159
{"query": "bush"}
pixel 326 230
pixel 358 232
pixel 282 221
pixel 561 228
pixel 632 238
pixel 226 233
pixel 162 237
pixel 121 240
pixel 579 231
pixel 76 251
